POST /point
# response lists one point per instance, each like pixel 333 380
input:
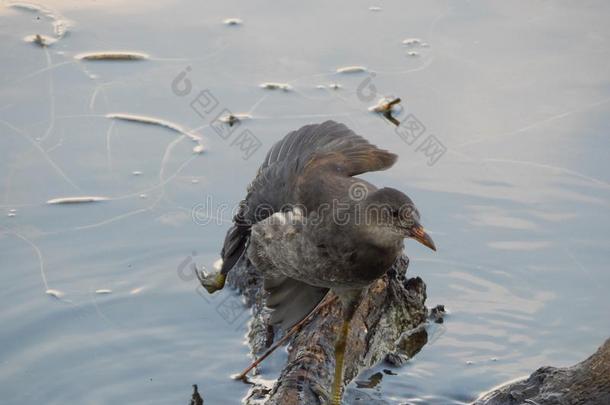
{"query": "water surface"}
pixel 517 94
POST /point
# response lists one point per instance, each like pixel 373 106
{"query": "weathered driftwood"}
pixel 196 398
pixel 587 382
pixel 391 306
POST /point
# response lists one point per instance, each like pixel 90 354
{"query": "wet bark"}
pixel 587 382
pixel 390 307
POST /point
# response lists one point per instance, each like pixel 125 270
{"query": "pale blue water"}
pixel 518 93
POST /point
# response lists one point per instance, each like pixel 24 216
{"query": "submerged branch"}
pixel 587 382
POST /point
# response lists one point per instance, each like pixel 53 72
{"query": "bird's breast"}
pixel 286 244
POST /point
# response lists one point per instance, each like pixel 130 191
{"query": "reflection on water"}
pixel 97 303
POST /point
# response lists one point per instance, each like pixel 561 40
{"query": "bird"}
pixel 311 227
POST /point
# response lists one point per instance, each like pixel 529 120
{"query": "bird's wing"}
pixel 329 148
pixel 345 153
pixel 290 299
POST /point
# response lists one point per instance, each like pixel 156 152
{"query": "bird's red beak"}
pixel 419 234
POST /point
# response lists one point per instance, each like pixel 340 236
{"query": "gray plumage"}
pixel 305 222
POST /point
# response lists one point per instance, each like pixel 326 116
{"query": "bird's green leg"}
pixel 350 299
pixel 339 357
pixel 211 282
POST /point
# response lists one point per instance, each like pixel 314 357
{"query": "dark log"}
pixel 587 382
pixel 390 307
pixel 196 398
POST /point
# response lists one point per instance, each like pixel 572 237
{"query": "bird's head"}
pixel 391 216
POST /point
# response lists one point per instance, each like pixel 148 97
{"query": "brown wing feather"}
pixel 308 151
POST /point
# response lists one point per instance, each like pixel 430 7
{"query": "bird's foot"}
pixel 211 282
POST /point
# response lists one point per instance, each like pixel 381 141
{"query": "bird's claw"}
pixel 211 282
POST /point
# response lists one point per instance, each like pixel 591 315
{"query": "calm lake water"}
pixel 97 301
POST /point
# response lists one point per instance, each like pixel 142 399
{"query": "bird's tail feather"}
pixel 234 247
